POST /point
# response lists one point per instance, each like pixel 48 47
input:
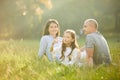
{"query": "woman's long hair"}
pixel 74 44
pixel 47 25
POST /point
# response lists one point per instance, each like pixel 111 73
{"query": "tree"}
pixel 110 7
pixel 17 17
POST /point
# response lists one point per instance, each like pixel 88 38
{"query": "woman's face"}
pixel 67 39
pixel 53 29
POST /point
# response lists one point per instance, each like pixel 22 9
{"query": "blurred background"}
pixel 25 19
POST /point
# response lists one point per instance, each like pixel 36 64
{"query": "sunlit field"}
pixel 19 61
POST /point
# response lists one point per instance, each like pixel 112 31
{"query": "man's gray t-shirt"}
pixel 101 50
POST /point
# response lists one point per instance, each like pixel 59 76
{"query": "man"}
pixel 96 46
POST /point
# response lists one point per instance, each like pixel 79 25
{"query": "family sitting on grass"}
pixel 66 49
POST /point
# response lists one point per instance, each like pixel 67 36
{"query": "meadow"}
pixel 19 61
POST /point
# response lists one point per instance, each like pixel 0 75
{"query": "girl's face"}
pixel 67 39
pixel 53 29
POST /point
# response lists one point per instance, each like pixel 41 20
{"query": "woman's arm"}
pixel 43 46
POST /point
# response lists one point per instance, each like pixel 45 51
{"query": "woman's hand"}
pixel 54 41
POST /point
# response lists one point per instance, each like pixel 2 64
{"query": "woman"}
pixel 68 53
pixel 51 33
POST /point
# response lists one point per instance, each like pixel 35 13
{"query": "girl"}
pixel 51 32
pixel 68 53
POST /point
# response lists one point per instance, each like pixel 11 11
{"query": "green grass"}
pixel 19 61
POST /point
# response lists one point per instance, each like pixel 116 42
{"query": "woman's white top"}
pixel 45 44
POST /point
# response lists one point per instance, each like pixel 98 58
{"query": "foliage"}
pixel 18 17
pixel 19 61
pixel 25 19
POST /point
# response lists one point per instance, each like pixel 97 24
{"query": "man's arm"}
pixel 90 52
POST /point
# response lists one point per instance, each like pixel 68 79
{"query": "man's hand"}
pixel 82 48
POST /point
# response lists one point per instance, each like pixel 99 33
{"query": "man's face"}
pixel 87 28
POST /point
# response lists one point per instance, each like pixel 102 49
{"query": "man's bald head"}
pixel 90 26
pixel 92 22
